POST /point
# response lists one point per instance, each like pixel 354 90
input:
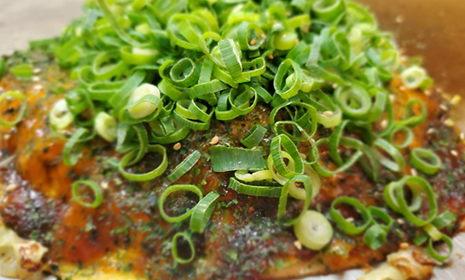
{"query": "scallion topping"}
pixel 96 190
pixel 184 166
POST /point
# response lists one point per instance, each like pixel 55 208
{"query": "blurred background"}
pixel 434 29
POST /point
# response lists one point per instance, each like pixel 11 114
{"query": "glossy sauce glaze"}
pixel 243 239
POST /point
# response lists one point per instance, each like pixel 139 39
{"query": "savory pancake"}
pixel 115 229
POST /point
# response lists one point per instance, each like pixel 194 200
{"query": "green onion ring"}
pixel 437 256
pixel 279 81
pixel 128 160
pixel 398 162
pixel 176 188
pixel 383 216
pixel 408 136
pixel 174 248
pixel 425 160
pixel 412 121
pixel 98 196
pixel 202 212
pixel 22 108
pixel 307 182
pixel 284 141
pixel 349 227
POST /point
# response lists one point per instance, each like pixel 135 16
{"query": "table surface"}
pixel 434 29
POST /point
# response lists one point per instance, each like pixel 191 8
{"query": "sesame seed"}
pixel 215 140
pixel 6 136
pixel 1 88
pixel 11 187
pixel 177 146
pixel 37 70
pixel 449 122
pixel 384 123
pixel 462 135
pixel 404 246
pixel 37 87
pixel 392 97
pixel 456 99
pixel 454 153
pixel 328 113
pixel 400 221
pixel 335 85
pixel 298 245
pixel 428 92
pixel 404 58
pixel 253 42
pixel 104 185
pixel 414 172
pixel 35 78
pixel 431 131
pixel 399 19
pixel 350 220
pixel 263 36
pixel 402 88
pixel 443 107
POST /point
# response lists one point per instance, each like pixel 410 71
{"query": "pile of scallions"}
pixel 152 71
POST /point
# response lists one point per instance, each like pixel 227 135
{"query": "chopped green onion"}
pixel 20 113
pixel 313 230
pixel 433 232
pixel 262 175
pixel 345 225
pixel 408 137
pixel 106 126
pixel 174 248
pixel 97 191
pixel 184 166
pixel 307 183
pixel 3 66
pixel 355 102
pixel 254 190
pixel 128 160
pixel 329 10
pixel 435 254
pixel 254 136
pixel 398 162
pixel 412 121
pixel 145 108
pixel 413 77
pixel 22 71
pixel 225 159
pixel 172 189
pixel 60 115
pixel 73 147
pixel 394 195
pixel 278 161
pixel 383 216
pixel 375 237
pixel 202 212
pixel 322 170
pixel 445 219
pixel 425 160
